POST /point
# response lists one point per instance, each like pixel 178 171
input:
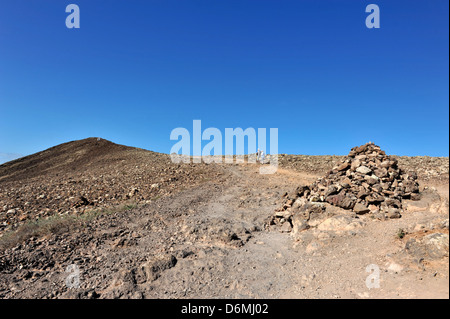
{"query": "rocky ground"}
pixel 81 176
pixel 206 231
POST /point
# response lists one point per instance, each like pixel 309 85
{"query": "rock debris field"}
pixel 135 225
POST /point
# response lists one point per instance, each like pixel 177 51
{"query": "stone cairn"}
pixel 366 181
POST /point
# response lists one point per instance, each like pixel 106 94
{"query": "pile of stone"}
pixel 366 181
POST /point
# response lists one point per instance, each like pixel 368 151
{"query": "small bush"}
pixel 401 233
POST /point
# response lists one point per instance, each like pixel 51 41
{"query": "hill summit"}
pixel 74 155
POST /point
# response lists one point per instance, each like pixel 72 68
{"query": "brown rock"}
pixel 343 167
pixel 360 209
pixel 341 200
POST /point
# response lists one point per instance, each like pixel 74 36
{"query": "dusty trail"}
pixel 272 265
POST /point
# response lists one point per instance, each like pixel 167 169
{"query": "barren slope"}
pixel 83 175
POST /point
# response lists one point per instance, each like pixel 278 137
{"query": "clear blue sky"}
pixel 135 70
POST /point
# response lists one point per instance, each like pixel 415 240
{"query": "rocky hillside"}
pixel 83 175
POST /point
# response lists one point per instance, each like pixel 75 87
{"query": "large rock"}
pixel 299 224
pixel 361 209
pixel 433 246
pixel 340 223
pixel 341 200
pixel 309 215
pixel 363 170
pixel 344 166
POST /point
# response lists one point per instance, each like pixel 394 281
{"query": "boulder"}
pixel 340 223
pixel 433 246
pixel 341 200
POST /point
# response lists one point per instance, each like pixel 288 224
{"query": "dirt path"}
pixel 272 265
pixel 216 232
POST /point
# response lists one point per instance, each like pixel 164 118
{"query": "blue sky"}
pixel 135 70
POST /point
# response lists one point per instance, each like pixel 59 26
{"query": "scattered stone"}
pixel 361 209
pixel 154 267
